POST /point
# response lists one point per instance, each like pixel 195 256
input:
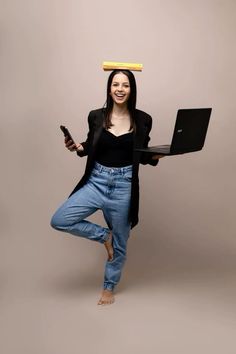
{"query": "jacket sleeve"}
pixel 146 158
pixel 86 143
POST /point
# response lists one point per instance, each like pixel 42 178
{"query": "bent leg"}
pixel 71 214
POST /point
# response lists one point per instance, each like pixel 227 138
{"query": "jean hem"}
pixel 109 287
pixel 105 236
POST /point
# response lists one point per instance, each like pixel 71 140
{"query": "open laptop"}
pixel 189 133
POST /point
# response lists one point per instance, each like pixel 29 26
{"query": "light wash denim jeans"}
pixel 108 189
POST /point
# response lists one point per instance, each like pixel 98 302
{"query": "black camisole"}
pixel 114 151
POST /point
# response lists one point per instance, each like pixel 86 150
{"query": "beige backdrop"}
pixel 177 293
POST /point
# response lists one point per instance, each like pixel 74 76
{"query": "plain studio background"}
pixel 177 293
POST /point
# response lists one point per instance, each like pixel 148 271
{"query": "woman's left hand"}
pixel 157 157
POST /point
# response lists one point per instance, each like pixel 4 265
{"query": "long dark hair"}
pixel 131 104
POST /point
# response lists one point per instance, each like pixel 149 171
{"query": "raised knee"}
pixel 55 222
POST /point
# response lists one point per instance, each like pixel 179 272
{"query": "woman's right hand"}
pixel 73 147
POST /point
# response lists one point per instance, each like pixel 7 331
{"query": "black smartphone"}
pixel 67 133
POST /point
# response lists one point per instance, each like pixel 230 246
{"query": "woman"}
pixel 110 182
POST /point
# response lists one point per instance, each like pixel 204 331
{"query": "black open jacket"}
pixel 143 123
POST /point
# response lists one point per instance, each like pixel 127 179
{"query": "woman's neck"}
pixel 120 111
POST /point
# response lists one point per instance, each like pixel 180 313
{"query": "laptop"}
pixel 189 133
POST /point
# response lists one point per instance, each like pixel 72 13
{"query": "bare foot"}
pixel 109 248
pixel 107 297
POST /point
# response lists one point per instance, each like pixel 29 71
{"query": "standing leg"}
pixel 116 210
pixel 120 234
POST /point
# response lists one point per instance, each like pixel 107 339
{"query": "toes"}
pixel 100 302
pixel 105 302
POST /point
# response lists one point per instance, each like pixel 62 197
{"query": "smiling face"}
pixel 120 89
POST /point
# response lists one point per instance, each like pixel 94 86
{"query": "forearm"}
pixel 84 151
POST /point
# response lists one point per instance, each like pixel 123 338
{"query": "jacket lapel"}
pixel 140 133
pixel 98 128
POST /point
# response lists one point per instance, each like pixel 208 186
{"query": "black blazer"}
pixel 143 123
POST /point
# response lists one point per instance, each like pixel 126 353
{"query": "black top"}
pixel 141 137
pixel 114 151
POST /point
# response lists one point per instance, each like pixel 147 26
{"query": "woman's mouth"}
pixel 119 95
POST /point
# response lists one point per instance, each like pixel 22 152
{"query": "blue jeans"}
pixel 108 189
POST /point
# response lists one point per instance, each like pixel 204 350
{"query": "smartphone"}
pixel 67 133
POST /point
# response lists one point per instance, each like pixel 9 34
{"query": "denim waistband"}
pixel 115 170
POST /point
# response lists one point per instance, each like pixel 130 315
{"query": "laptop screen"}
pixel 190 129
